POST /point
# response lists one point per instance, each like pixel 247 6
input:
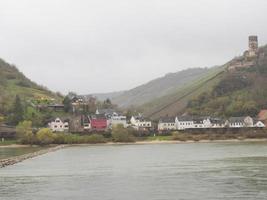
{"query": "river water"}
pixel 6 152
pixel 236 170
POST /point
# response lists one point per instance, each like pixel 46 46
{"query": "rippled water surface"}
pixel 132 172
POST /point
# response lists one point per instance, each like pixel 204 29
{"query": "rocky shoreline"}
pixel 17 159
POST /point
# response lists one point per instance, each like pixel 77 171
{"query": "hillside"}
pixel 221 92
pixel 158 87
pixel 176 102
pixel 13 82
pixel 104 96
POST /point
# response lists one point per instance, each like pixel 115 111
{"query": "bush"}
pixel 94 139
pixel 121 134
pixel 24 132
pixel 61 138
pixel 45 136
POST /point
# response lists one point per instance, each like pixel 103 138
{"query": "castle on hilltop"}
pixel 250 56
pixel 252 47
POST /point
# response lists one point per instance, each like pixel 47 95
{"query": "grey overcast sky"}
pixel 92 46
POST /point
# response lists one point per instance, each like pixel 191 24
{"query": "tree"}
pixel 17 111
pixel 24 132
pixel 67 104
pixel 107 103
pixel 45 136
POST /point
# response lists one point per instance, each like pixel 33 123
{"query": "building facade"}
pixel 59 125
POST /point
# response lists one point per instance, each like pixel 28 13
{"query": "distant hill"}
pixel 156 88
pixel 221 92
pixel 104 96
pixel 13 82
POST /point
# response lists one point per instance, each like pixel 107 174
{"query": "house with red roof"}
pixel 262 116
pixel 98 122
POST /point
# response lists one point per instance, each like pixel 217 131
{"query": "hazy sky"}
pixel 109 45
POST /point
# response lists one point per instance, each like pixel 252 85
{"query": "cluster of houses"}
pixel 102 120
pixel 191 122
pixel 105 119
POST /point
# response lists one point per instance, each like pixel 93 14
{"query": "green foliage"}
pixel 24 132
pixel 121 134
pixel 67 104
pixel 94 139
pixel 45 136
pixel 62 138
pixel 13 83
pixel 17 112
pixel 239 93
pixel 231 83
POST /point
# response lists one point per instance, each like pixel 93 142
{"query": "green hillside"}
pixel 220 92
pixel 155 88
pixel 13 82
pixel 176 102
pixel 240 92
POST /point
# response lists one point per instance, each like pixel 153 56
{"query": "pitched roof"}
pixel 98 116
pixel 185 118
pixel 217 121
pixel 237 119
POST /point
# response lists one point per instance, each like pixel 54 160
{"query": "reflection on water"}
pixel 10 152
pixel 133 172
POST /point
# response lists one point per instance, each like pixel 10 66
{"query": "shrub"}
pixel 94 139
pixel 121 134
pixel 45 136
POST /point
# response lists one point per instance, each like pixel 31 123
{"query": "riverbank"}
pixel 171 142
pixel 17 159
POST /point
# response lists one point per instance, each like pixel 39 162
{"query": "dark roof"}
pixel 63 119
pixel 107 111
pixel 99 116
pixel 185 118
pixel 198 120
pixel 167 120
pixel 217 121
pixel 236 119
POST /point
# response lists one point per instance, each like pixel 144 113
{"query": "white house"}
pixel 217 123
pixel 59 126
pixel 184 122
pixel 138 122
pixel 117 119
pixel 167 123
pixel 259 124
pixel 240 122
pixel 202 122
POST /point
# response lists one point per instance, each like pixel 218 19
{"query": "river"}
pixel 224 170
pixel 6 152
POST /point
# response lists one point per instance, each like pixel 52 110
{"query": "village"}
pixel 105 119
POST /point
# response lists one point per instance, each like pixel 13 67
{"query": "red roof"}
pixel 99 124
pixel 262 115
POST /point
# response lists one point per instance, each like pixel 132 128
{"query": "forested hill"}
pixel 159 87
pixel 238 93
pixel 13 82
pixel 223 92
